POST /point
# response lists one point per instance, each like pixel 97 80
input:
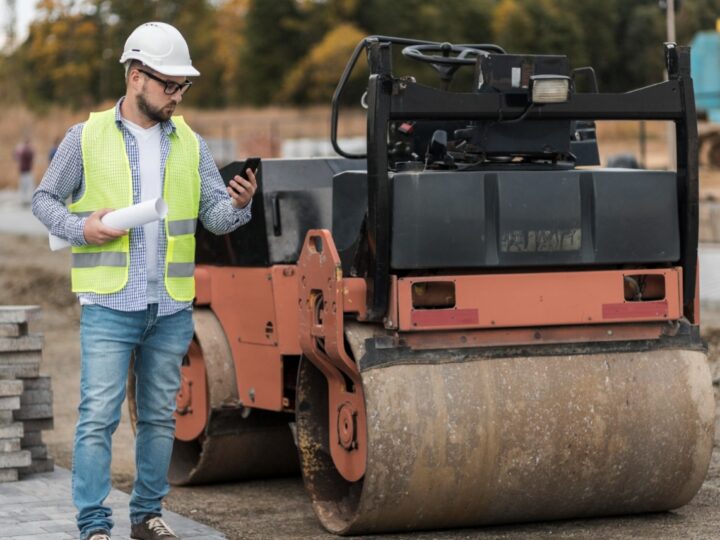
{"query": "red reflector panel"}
pixel 635 309
pixel 443 317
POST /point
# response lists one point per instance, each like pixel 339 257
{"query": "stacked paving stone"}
pixel 36 416
pixel 25 396
pixel 12 456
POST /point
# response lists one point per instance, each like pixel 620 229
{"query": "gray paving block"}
pixel 15 459
pixel 36 397
pixel 9 403
pixel 19 314
pixel 25 529
pixel 10 445
pixel 32 516
pixel 45 536
pixel 33 412
pixel 8 475
pixel 32 342
pixel 46 504
pixel 55 525
pixel 38 425
pixel 11 431
pixel 11 388
pixel 20 357
pixel 43 382
pixel 6 417
pixel 37 452
pixel 31 438
pixel 37 466
pixel 13 329
pixel 19 371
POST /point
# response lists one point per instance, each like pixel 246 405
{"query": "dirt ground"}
pixel 31 274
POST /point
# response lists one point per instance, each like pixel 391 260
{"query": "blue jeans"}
pixel 107 339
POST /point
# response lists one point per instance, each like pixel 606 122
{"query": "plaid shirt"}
pixel 64 178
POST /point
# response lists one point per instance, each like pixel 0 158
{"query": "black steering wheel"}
pixel 445 64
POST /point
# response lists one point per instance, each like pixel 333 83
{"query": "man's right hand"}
pixel 96 232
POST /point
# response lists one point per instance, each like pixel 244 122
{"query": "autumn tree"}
pixel 230 40
pixel 61 56
pixel 539 27
pixel 314 78
pixel 273 43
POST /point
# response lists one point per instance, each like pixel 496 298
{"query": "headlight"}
pixel 550 88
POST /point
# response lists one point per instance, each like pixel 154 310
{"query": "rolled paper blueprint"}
pixel 125 218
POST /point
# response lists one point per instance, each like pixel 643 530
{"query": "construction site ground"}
pixel 31 274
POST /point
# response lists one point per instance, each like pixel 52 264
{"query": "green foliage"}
pixel 276 51
pixel 60 56
pixel 459 21
pixel 230 39
pixel 645 33
pixel 696 15
pixel 274 42
pixel 540 26
pixel 314 78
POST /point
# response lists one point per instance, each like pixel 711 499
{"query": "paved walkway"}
pixel 16 219
pixel 40 508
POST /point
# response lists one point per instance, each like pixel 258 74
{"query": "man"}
pixel 25 155
pixel 135 287
pixel 53 149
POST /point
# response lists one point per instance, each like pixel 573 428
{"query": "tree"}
pixel 458 21
pixel 314 78
pixel 272 37
pixel 643 61
pixel 230 40
pixel 60 57
pixel 598 37
pixel 696 16
pixel 539 27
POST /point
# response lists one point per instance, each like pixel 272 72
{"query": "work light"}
pixel 550 88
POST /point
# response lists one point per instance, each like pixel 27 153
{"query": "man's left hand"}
pixel 242 190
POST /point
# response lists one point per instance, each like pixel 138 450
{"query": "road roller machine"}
pixel 471 323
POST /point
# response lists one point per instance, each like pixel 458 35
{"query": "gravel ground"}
pixel 31 274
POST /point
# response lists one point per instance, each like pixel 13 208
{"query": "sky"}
pixel 24 12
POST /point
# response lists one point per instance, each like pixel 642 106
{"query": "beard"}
pixel 156 114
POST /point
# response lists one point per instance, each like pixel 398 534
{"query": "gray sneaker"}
pixel 99 535
pixel 152 528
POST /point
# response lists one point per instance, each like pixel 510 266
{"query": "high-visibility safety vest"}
pixel 108 184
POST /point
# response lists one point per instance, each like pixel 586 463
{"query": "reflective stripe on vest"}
pixel 182 226
pixel 181 269
pixel 108 184
pixel 104 258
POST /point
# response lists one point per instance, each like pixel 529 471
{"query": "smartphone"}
pixel 251 163
pixel 238 168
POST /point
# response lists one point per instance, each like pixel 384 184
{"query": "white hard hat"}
pixel 160 47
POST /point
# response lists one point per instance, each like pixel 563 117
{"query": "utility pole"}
pixel 671 144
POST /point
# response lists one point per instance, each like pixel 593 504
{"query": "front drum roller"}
pixel 216 439
pixel 456 439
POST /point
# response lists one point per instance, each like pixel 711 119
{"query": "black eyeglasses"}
pixel 170 86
